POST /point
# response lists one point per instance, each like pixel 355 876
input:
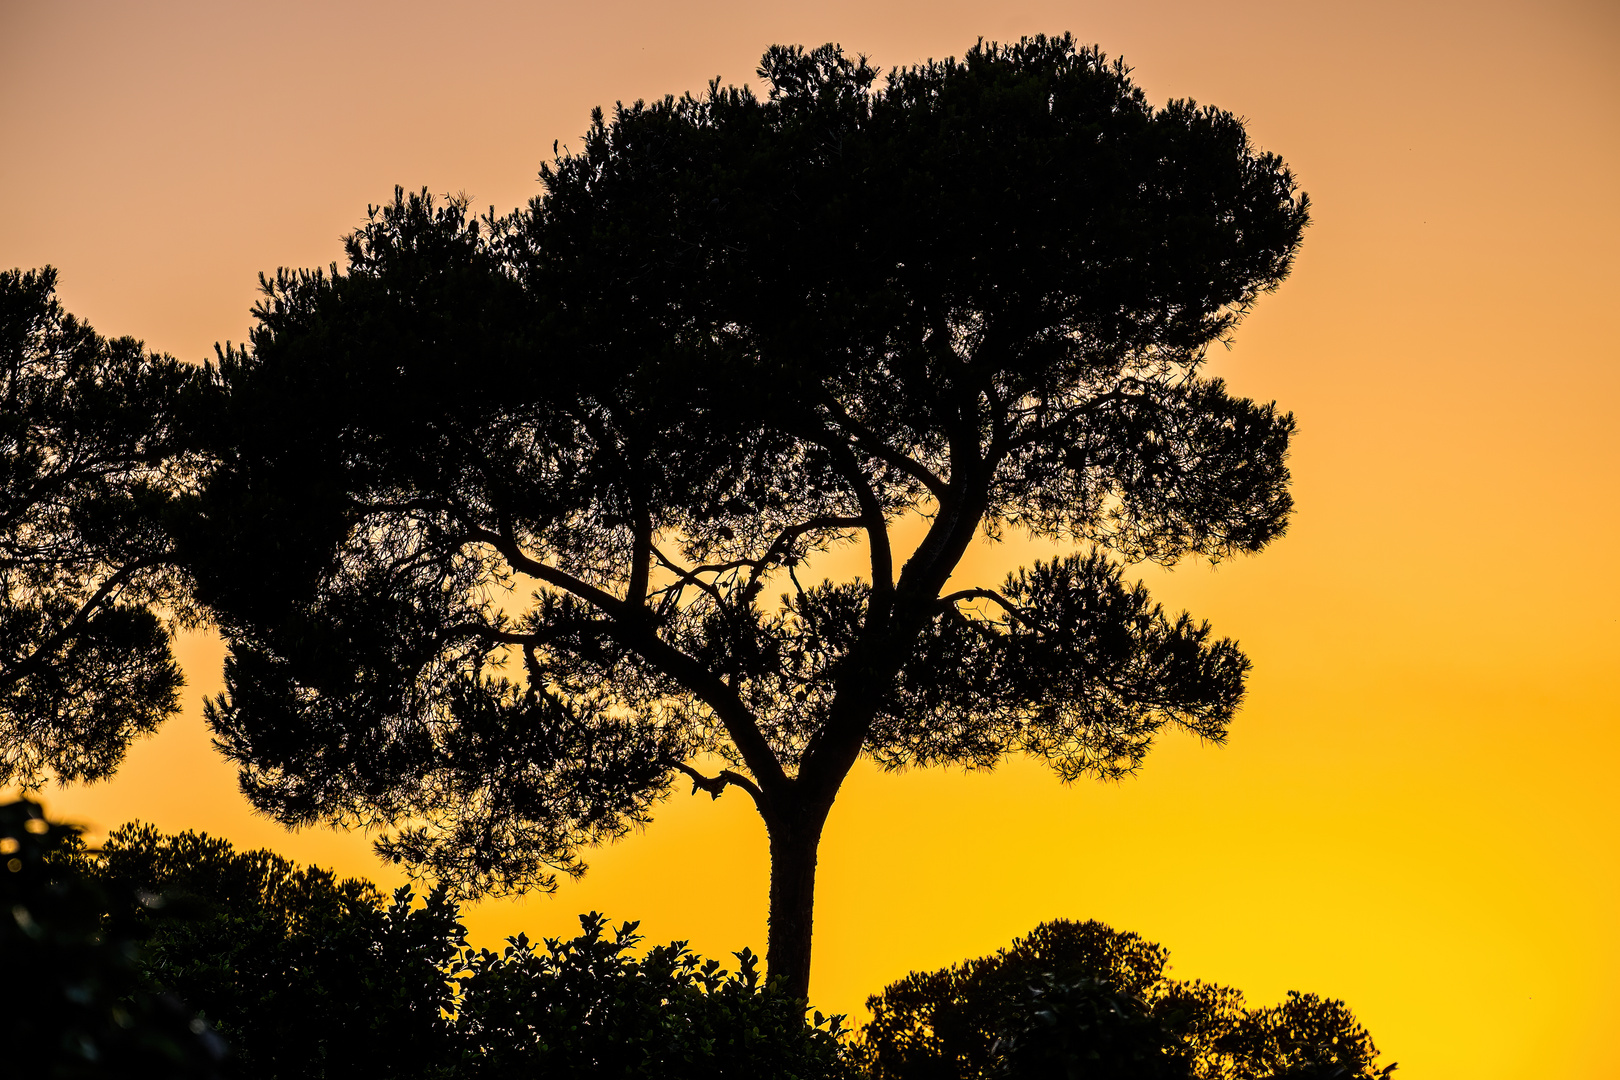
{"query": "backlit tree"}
pixel 517 520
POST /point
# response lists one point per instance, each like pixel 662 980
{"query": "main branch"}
pixel 637 634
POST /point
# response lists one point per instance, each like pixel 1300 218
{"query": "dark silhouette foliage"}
pixel 1083 1000
pixel 144 953
pixel 1086 1029
pixel 590 1007
pixel 89 465
pixel 73 1003
pixel 500 508
pixel 304 975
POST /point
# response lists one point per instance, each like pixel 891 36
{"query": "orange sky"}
pixel 1416 811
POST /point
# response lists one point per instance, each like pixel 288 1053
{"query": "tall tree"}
pixel 89 462
pixel 500 508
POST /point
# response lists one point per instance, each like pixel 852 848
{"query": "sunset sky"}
pixel 1417 810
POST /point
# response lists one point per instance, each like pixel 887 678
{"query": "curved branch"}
pixel 506 543
pixel 780 545
pixel 1119 395
pixel 872 520
pixel 986 594
pixel 714 785
pixel 35 661
pixel 636 633
pixel 868 441
pixel 686 576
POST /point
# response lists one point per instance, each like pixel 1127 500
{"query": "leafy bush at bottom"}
pixel 591 1007
pixel 1072 1000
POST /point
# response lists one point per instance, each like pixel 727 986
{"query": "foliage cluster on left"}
pixel 74 1002
pixel 302 974
pixel 178 956
pixel 91 463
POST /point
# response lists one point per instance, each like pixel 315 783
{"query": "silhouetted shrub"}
pixel 72 1001
pixel 1304 1038
pixel 1081 999
pixel 1086 1028
pixel 590 1007
pixel 306 976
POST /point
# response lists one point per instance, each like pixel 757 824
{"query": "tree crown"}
pixel 91 459
pixel 518 494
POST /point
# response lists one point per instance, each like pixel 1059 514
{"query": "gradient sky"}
pixel 1416 811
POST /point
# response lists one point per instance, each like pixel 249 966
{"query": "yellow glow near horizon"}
pixel 1414 811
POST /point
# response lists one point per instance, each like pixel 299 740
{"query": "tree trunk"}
pixel 793 895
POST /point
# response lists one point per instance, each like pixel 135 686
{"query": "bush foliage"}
pixel 1075 999
pixel 304 975
pixel 178 956
pixel 74 1002
pixel 591 1007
